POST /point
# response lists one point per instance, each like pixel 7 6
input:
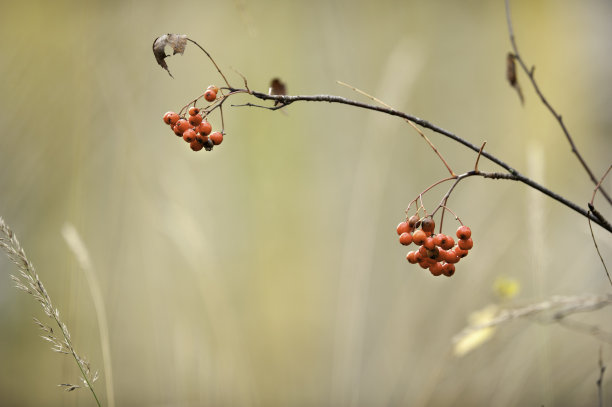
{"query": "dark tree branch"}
pixel 513 174
pixel 557 116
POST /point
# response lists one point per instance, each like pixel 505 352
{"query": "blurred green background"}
pixel 267 272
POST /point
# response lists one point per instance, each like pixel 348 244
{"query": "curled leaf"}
pixel 277 87
pixel 511 75
pixel 176 41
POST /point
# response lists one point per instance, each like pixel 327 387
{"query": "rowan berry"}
pixel 195 120
pixel 422 251
pixel 213 88
pixel 429 243
pixel 171 118
pixel 177 131
pixel 413 222
pixel 433 253
pixel 465 244
pixel 464 232
pixel 451 257
pixel 208 144
pixel 428 225
pixel 447 242
pixel 189 135
pixel 411 257
pixel 210 95
pixel 460 252
pixel 196 145
pixel 403 228
pixel 193 111
pixel 204 128
pixel 216 137
pixel 405 238
pixel 436 269
pixel 202 139
pixel 182 125
pixel 419 237
pixel 448 269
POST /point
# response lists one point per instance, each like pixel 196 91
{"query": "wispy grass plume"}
pixel 29 281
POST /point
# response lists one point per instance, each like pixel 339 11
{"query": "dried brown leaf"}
pixel 511 75
pixel 176 41
pixel 277 87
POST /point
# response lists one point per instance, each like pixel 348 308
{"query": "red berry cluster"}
pixel 437 252
pixel 195 129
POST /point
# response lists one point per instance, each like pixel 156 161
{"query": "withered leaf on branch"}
pixel 176 41
pixel 277 87
pixel 511 74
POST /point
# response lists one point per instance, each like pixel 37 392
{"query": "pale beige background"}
pixel 268 273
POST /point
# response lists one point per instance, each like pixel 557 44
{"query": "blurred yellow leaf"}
pixel 478 336
pixel 506 288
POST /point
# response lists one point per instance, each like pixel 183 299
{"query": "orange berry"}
pixel 171 118
pixel 437 239
pixel 195 120
pixel 411 257
pixel 448 269
pixel 193 111
pixel 196 145
pixel 189 135
pixel 428 225
pixel 451 257
pixel 405 238
pixel 433 253
pixel 429 243
pixel 403 228
pixel 447 242
pixel 216 137
pixel 419 237
pixel 204 128
pixel 460 252
pixel 202 139
pixel 436 269
pixel 210 95
pixel 213 88
pixel 465 244
pixel 177 131
pixel 464 232
pixel 422 251
pixel 182 125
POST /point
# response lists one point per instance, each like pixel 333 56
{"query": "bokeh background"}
pixel 267 272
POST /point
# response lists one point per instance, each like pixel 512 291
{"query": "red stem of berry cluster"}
pixel 512 174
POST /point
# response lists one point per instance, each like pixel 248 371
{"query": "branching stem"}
pixel 513 174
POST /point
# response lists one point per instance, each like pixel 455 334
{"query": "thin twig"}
pixel 479 154
pixel 212 60
pixel 602 370
pixel 513 173
pixel 452 173
pixel 599 216
pixel 557 116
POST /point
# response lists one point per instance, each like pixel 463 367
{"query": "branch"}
pixel 513 173
pixel 560 306
pixel 557 116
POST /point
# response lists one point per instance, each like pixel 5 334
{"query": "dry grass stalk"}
pixel 29 281
pixel 557 307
